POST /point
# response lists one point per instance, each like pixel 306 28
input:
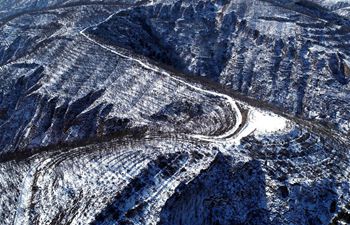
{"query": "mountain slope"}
pixel 174 112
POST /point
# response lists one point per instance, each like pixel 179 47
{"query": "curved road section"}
pixel 257 121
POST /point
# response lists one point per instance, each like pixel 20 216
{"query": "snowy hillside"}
pixel 175 112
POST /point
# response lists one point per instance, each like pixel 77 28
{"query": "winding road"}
pixel 255 120
pixel 243 127
pixel 128 167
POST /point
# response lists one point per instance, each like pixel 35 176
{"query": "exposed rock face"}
pixel 136 112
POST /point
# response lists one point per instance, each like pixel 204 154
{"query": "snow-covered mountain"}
pixel 174 112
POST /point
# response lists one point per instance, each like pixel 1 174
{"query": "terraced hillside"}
pixel 174 112
pixel 291 54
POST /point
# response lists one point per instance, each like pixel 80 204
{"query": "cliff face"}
pixel 174 112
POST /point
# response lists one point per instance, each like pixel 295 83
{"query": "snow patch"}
pixel 266 122
pixel 260 123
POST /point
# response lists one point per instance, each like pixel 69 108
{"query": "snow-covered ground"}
pixel 94 133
